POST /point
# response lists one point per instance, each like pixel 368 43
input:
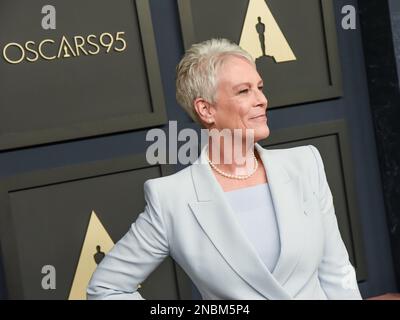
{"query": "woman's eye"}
pixel 261 88
pixel 243 91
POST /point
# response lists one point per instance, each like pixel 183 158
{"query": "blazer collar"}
pixel 218 221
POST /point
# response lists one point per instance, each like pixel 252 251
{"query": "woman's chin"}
pixel 261 133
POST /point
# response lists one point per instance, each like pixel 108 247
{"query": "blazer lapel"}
pixel 221 226
pixel 286 192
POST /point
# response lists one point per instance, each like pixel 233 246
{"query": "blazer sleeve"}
pixel 336 273
pixel 133 257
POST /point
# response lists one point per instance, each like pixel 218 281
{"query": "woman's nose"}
pixel 261 99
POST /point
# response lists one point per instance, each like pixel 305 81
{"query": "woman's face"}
pixel 239 101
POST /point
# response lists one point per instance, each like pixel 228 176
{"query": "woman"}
pixel 262 229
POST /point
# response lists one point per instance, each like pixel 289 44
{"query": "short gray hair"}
pixel 196 73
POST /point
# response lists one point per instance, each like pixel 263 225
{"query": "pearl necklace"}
pixel 234 176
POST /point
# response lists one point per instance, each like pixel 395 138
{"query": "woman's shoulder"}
pixel 170 182
pixel 299 155
pixel 303 160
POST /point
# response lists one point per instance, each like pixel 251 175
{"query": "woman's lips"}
pixel 259 117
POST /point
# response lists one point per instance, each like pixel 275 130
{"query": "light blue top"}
pixel 255 211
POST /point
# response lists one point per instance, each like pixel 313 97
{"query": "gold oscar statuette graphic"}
pixel 262 36
pixel 96 244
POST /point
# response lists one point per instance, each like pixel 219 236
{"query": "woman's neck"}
pixel 234 158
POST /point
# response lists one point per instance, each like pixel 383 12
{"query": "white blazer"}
pixel 188 218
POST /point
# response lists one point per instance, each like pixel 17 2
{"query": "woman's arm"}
pixel 134 257
pixel 336 274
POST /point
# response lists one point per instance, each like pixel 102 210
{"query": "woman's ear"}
pixel 204 111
